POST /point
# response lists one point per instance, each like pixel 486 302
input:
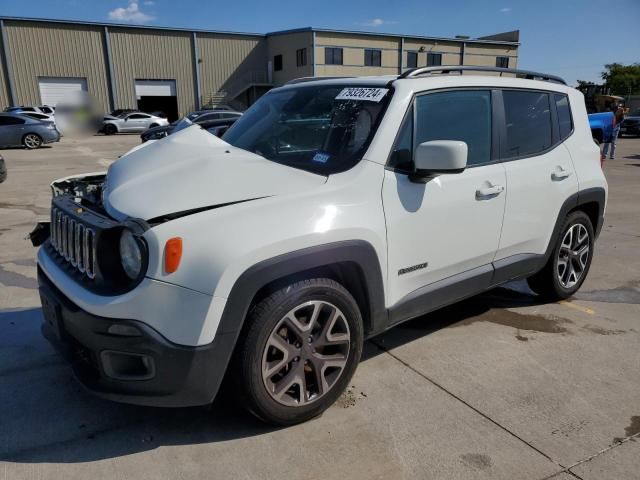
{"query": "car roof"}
pixel 432 81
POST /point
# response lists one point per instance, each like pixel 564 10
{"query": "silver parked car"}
pixel 131 122
pixel 202 115
pixel 19 130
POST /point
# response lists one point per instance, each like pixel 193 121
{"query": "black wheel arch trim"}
pixel 358 252
pixel 590 195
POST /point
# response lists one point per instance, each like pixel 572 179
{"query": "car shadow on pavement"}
pixel 47 417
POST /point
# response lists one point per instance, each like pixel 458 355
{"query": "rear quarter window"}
pixel 565 121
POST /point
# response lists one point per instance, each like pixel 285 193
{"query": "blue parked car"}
pixel 20 130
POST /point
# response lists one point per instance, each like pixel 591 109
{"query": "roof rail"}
pixel 416 72
pixel 310 79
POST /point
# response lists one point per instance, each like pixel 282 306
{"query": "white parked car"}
pixel 330 211
pixel 135 122
pixel 39 116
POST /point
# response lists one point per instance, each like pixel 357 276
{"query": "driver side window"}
pixel 452 115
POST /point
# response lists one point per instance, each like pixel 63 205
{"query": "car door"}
pixel 539 169
pixel 442 235
pixel 11 130
pixel 137 122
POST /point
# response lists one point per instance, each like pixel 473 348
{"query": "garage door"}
pixel 155 88
pixel 54 90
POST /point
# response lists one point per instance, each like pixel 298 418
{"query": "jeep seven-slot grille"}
pixel 74 242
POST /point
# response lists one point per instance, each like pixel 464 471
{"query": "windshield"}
pixel 322 128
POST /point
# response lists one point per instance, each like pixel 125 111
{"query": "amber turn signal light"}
pixel 172 254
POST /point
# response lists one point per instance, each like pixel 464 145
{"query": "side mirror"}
pixel 439 157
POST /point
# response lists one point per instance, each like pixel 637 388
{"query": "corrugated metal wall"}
pixel 229 61
pixel 142 54
pixel 40 49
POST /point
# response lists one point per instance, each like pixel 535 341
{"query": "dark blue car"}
pixel 19 130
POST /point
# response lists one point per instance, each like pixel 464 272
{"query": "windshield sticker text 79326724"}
pixel 363 94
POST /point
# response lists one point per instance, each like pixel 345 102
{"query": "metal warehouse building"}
pixel 178 70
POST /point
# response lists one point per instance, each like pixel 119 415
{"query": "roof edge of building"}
pixel 126 25
pixel 398 35
pixel 490 39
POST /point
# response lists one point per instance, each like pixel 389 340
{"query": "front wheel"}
pixel 301 349
pixel 31 141
pixel 570 260
pixel 110 129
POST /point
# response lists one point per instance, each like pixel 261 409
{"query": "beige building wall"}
pixel 229 62
pixel 353 47
pixel 40 49
pixel 485 55
pixel 450 51
pixel 142 54
pixel 4 94
pixel 286 45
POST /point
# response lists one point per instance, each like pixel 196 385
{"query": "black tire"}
pixel 154 125
pixel 110 129
pixel 3 170
pixel 262 322
pixel 546 282
pixel 32 141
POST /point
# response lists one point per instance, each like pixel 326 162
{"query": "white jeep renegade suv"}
pixel 331 211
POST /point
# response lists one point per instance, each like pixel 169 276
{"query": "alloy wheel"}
pixel 32 141
pixel 306 353
pixel 573 256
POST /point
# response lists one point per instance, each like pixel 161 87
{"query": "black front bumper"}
pixel 145 369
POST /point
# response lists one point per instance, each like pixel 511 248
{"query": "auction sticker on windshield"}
pixel 360 93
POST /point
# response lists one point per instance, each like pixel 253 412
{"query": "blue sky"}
pixel 570 38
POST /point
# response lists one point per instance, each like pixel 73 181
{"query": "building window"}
pixel 301 57
pixel 434 59
pixel 372 58
pixel 502 62
pixel 412 59
pixel 277 63
pixel 333 56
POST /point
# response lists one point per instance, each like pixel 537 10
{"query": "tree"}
pixel 584 84
pixel 622 79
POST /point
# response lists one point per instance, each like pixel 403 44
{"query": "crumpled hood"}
pixel 193 169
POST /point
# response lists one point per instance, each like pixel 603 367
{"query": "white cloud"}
pixel 376 22
pixel 131 13
pixel 505 10
pixel 149 3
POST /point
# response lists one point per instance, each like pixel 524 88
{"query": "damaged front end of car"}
pixel 86 190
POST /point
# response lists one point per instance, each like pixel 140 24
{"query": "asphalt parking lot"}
pixel 499 386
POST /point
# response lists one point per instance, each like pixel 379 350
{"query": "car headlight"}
pixel 130 254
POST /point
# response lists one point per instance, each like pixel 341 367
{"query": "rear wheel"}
pixel 301 349
pixel 570 260
pixel 31 141
pixel 110 129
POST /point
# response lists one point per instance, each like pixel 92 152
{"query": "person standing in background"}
pixel 619 116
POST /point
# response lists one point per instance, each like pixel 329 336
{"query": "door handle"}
pixel 489 192
pixel 560 173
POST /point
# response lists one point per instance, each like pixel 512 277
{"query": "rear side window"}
pixel 565 122
pixel 528 123
pixel 11 121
